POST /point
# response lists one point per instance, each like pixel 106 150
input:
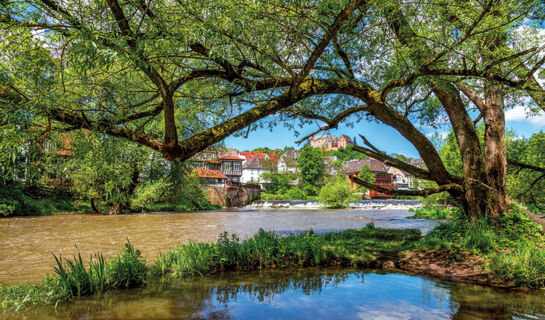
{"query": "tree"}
pixel 337 193
pixel 366 175
pixel 278 181
pixel 310 164
pixel 523 183
pixel 348 153
pixel 205 70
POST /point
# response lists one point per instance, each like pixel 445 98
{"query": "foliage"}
pixel 337 193
pixel 74 279
pixel 361 247
pixel 293 193
pixel 512 243
pixel 127 270
pixel 21 200
pixel 366 175
pixel 310 164
pixel 116 176
pixel 526 185
pixel 278 182
pixel 149 193
pixel 436 213
pixel 348 153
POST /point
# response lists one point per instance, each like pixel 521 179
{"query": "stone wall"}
pixel 232 195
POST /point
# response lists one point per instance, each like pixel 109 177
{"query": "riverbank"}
pixel 509 254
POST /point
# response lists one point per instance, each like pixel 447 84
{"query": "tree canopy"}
pixel 182 75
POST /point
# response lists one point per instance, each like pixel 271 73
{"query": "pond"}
pixel 312 293
pixel 28 243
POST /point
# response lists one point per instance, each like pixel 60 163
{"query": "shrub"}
pixel 336 193
pixel 295 194
pixel 127 270
pixel 149 193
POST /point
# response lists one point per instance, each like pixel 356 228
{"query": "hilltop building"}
pixel 330 142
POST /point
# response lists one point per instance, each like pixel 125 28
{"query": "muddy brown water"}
pixel 27 243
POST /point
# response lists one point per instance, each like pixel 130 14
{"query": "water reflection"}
pixel 304 294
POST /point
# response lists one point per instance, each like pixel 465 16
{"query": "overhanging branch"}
pixel 395 192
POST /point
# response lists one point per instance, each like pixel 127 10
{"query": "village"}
pixel 241 176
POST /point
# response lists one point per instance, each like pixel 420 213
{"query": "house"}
pixel 228 165
pixel 345 141
pixel 231 167
pixel 288 161
pixel 402 180
pixel 212 177
pixel 247 156
pixel 383 178
pixel 252 170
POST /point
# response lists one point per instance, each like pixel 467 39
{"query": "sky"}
pixel 383 137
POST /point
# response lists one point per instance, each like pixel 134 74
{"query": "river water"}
pixel 312 293
pixel 322 293
pixel 27 243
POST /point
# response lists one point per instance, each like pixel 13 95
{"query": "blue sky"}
pixel 382 136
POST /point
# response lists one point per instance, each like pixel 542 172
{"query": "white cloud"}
pixel 439 134
pixel 522 113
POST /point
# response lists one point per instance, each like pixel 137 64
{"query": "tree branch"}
pixel 423 193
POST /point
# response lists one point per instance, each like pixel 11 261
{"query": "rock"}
pixel 388 265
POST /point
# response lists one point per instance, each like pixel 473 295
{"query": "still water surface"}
pixel 312 293
pixel 27 244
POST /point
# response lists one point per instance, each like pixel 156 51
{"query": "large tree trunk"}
pixel 475 190
pixel 494 150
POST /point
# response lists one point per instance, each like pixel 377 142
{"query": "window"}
pixel 237 166
pixel 227 166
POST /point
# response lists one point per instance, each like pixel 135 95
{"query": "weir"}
pixel 315 204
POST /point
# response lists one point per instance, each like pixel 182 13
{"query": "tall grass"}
pixel 513 245
pixel 364 247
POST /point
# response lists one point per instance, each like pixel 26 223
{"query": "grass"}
pixel 435 213
pixel 74 278
pixel 513 245
pixel 363 247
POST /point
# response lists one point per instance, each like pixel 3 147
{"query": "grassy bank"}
pixel 512 245
pixel 73 277
pixel 435 213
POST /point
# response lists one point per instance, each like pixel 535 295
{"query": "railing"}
pixel 232 172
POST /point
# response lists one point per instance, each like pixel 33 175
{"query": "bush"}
pixel 295 194
pixel 21 200
pixel 149 193
pixel 336 193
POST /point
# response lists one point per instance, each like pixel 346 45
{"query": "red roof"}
pixel 212 174
pixel 274 157
pixel 231 158
pixel 253 155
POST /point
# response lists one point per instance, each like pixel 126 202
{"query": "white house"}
pixel 288 161
pixel 404 180
pixel 252 170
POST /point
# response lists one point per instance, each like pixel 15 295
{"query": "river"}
pixel 312 293
pixel 325 293
pixel 28 242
